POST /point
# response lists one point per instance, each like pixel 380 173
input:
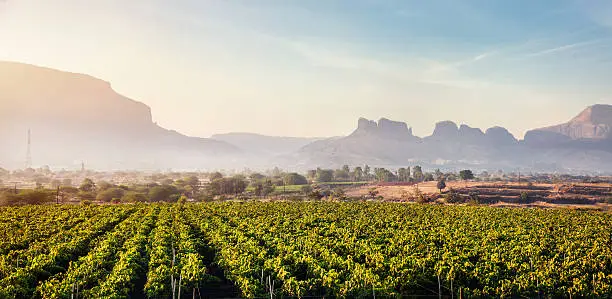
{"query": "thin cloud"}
pixel 564 48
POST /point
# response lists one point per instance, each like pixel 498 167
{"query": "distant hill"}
pixel 264 145
pixel 75 117
pixel 592 125
pixel 583 144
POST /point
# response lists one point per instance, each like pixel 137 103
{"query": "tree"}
pixel 324 175
pixel 438 174
pixel 312 174
pixel 84 195
pixel 87 185
pixel 295 179
pixel 306 189
pixel 372 192
pixel 193 182
pixel 441 185
pixel 346 168
pixel 264 188
pixel 428 177
pixel 257 177
pixel 103 185
pixel 54 183
pixel 466 175
pixel 417 173
pixel 226 186
pixel 215 176
pixel 67 183
pixel 366 171
pixel 134 197
pixel 357 174
pixel 109 194
pixel 163 193
pixel 384 175
pixel 27 197
pixel 403 174
pixel 341 174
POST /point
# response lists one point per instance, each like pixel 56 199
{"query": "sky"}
pixel 312 68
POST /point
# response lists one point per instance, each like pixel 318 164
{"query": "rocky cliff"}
pixel 76 117
pixel 594 123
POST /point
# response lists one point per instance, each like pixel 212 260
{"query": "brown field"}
pixel 578 195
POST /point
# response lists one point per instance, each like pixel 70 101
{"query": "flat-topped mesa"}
pixel 446 130
pixel 470 135
pixel 390 127
pixel 366 125
pixel 499 136
pixel 384 128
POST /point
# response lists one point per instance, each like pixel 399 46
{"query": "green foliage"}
pixel 309 249
pixel 420 197
pixel 441 185
pixel 134 197
pixel 26 197
pixel 524 197
pixel 109 194
pixel 403 174
pixel 295 179
pixel 87 185
pixel 453 197
pixel 324 175
pixel 163 193
pixel 466 175
pixel 384 175
pixel 306 189
pixel 228 186
pixel 263 188
pixel 215 176
pixel 417 173
pixel 373 193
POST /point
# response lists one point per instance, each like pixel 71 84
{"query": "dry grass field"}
pixel 578 195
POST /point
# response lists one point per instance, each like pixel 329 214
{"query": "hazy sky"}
pixel 311 68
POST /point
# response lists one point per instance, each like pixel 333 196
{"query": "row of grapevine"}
pixel 309 249
pixel 88 270
pixel 17 232
pixel 130 270
pixel 45 260
pixel 357 249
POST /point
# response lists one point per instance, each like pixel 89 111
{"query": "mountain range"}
pixel 75 117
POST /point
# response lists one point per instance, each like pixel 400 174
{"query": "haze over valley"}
pixel 76 118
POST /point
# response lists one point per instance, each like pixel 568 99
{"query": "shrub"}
pixel 306 189
pixel 419 197
pixel 524 197
pixel 453 197
pixel 109 194
pixel 134 197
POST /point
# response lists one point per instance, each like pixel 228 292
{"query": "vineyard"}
pixel 311 249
